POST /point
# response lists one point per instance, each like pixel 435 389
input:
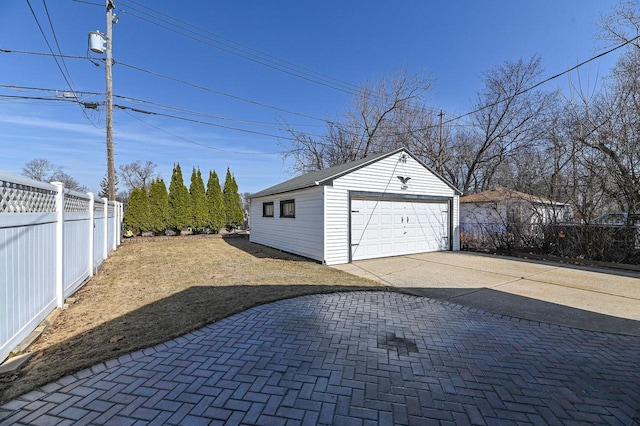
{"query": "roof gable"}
pixel 326 176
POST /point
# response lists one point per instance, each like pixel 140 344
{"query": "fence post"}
pixel 91 230
pixel 59 243
pixel 105 245
pixel 115 223
pixel 119 205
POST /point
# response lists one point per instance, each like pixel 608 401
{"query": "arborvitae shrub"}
pixel 215 203
pixel 199 211
pixel 159 206
pixel 179 202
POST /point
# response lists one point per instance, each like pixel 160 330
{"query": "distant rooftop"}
pixel 501 193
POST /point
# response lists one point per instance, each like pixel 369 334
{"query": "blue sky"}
pixel 452 42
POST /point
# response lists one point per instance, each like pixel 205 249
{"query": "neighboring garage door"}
pixel 381 228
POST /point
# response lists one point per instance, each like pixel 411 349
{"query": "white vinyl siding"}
pixel 336 243
pixel 455 216
pixel 302 234
pixel 380 178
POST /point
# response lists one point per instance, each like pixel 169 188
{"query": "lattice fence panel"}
pixel 18 198
pixel 73 204
pixel 98 207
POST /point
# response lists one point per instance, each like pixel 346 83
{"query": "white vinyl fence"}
pixel 52 240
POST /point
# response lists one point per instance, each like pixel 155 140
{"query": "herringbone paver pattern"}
pixel 355 359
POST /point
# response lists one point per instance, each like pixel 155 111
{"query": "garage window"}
pixel 288 208
pixel 267 209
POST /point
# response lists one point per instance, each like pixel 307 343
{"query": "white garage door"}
pixel 393 228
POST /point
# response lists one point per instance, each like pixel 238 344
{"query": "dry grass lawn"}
pixel 152 290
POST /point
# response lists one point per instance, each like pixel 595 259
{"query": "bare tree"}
pixel 604 124
pixel 38 169
pixel 509 119
pixel 623 24
pixel 244 198
pixel 138 175
pixel 375 123
pixel 609 127
pixel 43 170
pixel 69 181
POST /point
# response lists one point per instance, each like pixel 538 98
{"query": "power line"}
pixel 456 118
pixel 217 92
pixel 42 89
pixel 216 41
pixel 206 123
pixel 28 52
pixel 546 80
pixel 258 52
pixel 177 80
pixel 142 101
pixel 88 2
pixel 56 59
pixel 232 47
pixel 197 143
pixel 202 114
pixel 55 39
pixel 141 111
pixel 38 98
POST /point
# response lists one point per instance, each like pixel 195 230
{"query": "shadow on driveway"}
pixel 548 292
pixel 527 308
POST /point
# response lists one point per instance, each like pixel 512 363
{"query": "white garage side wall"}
pixel 379 177
pixel 456 223
pixel 336 243
pixel 301 235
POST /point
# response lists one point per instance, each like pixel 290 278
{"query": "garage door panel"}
pixel 386 249
pixel 389 228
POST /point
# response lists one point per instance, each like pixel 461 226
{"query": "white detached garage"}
pixel 385 205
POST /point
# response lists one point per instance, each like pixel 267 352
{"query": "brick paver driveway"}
pixel 356 358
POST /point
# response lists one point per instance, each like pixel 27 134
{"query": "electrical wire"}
pixel 217 92
pixel 28 52
pixel 204 114
pixel 206 123
pixel 536 85
pixel 38 98
pixel 66 79
pixel 89 3
pixel 55 39
pixel 42 89
pixel 226 45
pixel 198 143
pixel 177 80
pixel 456 118
pixel 272 126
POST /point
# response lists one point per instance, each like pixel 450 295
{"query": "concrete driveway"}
pixel 587 298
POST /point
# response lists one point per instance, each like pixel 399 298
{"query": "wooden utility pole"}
pixel 441 115
pixel 111 169
pixel 440 145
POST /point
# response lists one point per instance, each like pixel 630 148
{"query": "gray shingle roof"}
pixel 321 177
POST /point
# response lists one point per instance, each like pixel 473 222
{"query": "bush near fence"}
pixel 603 243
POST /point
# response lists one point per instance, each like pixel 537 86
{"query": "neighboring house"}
pixel 505 210
pixel 384 205
pixel 618 219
